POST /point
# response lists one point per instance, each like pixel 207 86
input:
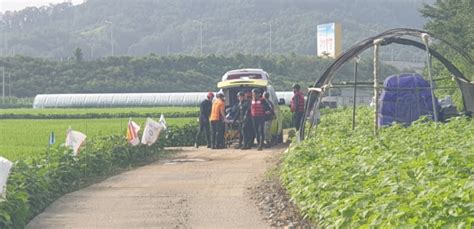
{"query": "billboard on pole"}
pixel 329 40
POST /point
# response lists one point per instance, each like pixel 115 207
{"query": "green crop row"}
pixel 110 110
pixel 170 112
pixel 421 176
pixel 13 102
pixel 35 183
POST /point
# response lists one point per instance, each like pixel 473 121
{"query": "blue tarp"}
pixel 404 99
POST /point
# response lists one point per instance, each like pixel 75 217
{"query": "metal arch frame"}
pixel 316 93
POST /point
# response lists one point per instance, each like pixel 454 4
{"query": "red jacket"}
pixel 297 102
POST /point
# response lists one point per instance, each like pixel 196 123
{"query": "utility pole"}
pixel 271 38
pixel 5 41
pixel 200 37
pixel 112 39
pixel 270 24
pixel 182 42
pixel 3 85
pixel 10 87
pixel 200 27
pixel 92 50
pixel 111 36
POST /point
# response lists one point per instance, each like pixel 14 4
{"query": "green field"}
pixel 21 138
pixel 82 111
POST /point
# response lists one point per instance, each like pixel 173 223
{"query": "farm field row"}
pixel 82 111
pixel 23 138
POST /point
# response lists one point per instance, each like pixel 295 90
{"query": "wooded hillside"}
pixel 166 27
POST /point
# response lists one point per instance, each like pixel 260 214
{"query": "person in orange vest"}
pixel 297 106
pixel 259 109
pixel 217 122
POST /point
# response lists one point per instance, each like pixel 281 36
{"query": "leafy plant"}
pixel 421 176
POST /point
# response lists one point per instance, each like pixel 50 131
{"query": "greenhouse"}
pixel 127 100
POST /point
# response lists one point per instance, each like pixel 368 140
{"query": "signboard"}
pixel 329 40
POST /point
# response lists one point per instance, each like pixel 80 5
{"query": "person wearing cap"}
pixel 251 136
pixel 217 122
pixel 259 109
pixel 297 106
pixel 204 125
pixel 268 119
pixel 245 121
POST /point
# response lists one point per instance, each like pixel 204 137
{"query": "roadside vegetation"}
pixel 40 174
pixel 419 175
pixel 35 184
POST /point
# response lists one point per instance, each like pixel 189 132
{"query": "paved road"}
pixel 202 189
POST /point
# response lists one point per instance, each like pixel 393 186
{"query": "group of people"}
pixel 254 114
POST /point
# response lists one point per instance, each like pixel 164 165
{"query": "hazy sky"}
pixel 21 4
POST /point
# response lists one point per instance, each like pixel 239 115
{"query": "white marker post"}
pixel 377 43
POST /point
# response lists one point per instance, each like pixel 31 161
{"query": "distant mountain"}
pixel 139 27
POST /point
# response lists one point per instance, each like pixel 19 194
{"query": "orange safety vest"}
pixel 217 107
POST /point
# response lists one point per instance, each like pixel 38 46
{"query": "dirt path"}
pixel 203 189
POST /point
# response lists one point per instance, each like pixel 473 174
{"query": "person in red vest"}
pixel 259 109
pixel 297 106
pixel 251 140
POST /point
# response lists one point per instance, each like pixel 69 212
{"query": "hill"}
pixel 152 73
pixel 164 27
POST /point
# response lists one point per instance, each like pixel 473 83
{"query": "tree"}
pixel 163 74
pixel 78 55
pixel 452 20
pixel 229 26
